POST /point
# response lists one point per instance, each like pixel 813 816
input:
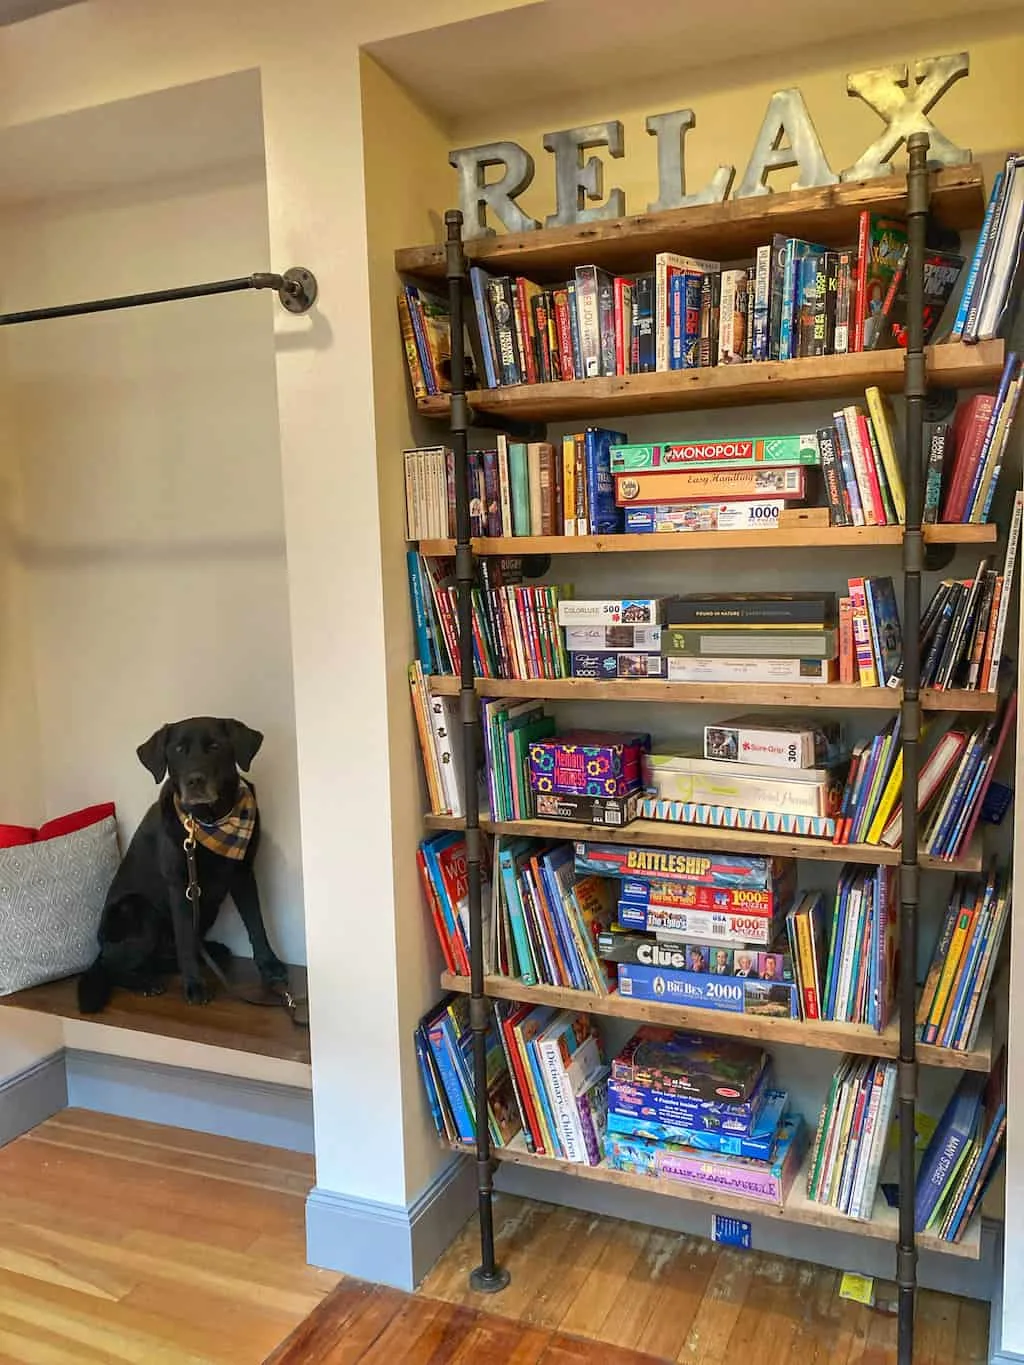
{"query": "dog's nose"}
pixel 195 781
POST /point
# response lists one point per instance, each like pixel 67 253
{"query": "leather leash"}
pixel 282 995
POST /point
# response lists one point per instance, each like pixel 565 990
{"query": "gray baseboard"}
pixel 996 1354
pixel 389 1244
pixel 31 1096
pixel 206 1102
pixel 844 1251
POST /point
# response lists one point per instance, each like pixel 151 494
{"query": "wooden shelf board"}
pixel 789 381
pixel 721 231
pixel 797 1208
pixel 662 834
pixel 859 1038
pixel 837 696
pixel 224 1022
pixel 795 538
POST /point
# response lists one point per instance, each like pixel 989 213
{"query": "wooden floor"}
pixel 126 1242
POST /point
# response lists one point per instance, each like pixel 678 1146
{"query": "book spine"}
pixel 606 320
pixel 775 294
pixel 539 307
pixel 568 486
pixel 677 321
pixel 709 316
pixel 845 285
pixel 860 289
pixel 977 476
pixel 412 357
pixel 933 475
pixel 526 330
pixel 563 1102
pixel 830 474
pixel 1009 564
pixel 862 634
pixel 849 473
pixel 589 316
pixel 574 329
pixel 788 292
pixel 847 658
pixel 645 324
pixel 987 492
pixel 566 370
pixel 864 470
pixel 759 320
pixel 968 445
pixel 979 253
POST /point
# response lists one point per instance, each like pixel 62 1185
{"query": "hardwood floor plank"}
pixel 566 1350
pixel 345 1342
pixel 32 1253
pixel 682 1282
pixel 325 1326
pixel 713 1324
pixel 591 1307
pixel 268 1272
pixel 172 1140
pixel 92 1218
pixel 43 1346
pixel 935 1328
pixel 773 1311
pixel 972 1333
pixel 537 1269
pixel 495 1339
pixel 558 1292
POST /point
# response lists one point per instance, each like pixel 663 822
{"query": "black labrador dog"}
pixel 148 928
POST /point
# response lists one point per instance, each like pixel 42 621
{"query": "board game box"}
pixel 690 1064
pixel 757 1146
pixel 587 763
pixel 658 864
pixel 726 994
pixel 630 1101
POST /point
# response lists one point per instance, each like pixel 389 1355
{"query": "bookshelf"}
pixel 858 1038
pixel 785 538
pixel 660 834
pixel 836 696
pixel 790 381
pixel 796 1209
pixel 953 198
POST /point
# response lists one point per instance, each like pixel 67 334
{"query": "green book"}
pixel 519 484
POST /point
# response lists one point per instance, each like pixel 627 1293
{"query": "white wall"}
pixel 150 526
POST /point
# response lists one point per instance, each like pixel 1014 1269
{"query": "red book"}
pixel 874 477
pixel 525 326
pixel 564 328
pixel 435 914
pixel 969 427
pixel 1008 718
pixel 623 343
pixel 531 1128
pixel 847 665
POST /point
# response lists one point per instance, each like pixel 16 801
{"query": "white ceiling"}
pixel 559 48
pixel 165 136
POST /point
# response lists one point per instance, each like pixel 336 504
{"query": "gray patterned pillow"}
pixel 51 898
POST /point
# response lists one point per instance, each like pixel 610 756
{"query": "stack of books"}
pixel 963 626
pixel 964 961
pixel 963 1155
pixel 515 625
pixel 730 485
pixel 441 862
pixel 702 1111
pixel 545 920
pixel 752 637
pixel 873 787
pixel 610 638
pixel 444 1050
pixel 956 808
pixel 559 1080
pixel 439 730
pixel 699 929
pixel 425 323
pixel 850 1142
pixel 860 975
pixel 965 457
pixel 860 465
pixel 870 637
pixel 984 310
pixel 509 728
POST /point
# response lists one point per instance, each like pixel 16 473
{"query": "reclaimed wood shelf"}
pixel 829 214
pixel 859 1038
pixel 662 834
pixel 837 696
pixel 796 1209
pixel 224 1022
pixel 784 538
pixel 953 366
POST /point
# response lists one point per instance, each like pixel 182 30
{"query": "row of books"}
pixel 963 1155
pixel 444 1050
pixel 858 982
pixel 989 290
pixel 964 623
pixel 870 638
pixel 849 1146
pixel 965 457
pixel 425 322
pixel 964 961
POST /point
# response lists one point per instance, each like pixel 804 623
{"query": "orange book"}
pixel 847 666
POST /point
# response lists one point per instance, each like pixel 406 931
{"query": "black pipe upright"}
pixel 488 1278
pixel 915 390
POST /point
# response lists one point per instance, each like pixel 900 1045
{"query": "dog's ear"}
pixel 245 742
pixel 153 754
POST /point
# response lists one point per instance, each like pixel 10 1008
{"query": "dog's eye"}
pixel 212 746
pixel 179 748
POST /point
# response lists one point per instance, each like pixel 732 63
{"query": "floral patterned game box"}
pixel 588 763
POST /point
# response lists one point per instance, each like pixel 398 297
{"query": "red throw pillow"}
pixel 11 836
pixel 79 819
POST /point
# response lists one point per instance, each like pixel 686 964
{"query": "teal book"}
pixel 519 483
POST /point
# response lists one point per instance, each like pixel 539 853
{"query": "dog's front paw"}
pixel 272 970
pixel 195 991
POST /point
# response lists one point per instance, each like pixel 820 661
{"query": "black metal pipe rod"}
pixel 191 291
pixel 915 391
pixel 488 1277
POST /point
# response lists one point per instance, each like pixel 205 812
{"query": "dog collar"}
pixel 229 836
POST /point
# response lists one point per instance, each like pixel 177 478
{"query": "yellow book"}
pixel 888 800
pixel 957 944
pixel 569 485
pixel 881 413
pixel 417 686
pixel 806 958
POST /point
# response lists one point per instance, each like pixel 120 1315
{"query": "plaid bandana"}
pixel 229 836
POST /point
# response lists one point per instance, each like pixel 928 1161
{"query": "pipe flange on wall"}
pixel 298 291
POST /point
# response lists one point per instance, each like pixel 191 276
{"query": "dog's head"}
pixel 201 756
